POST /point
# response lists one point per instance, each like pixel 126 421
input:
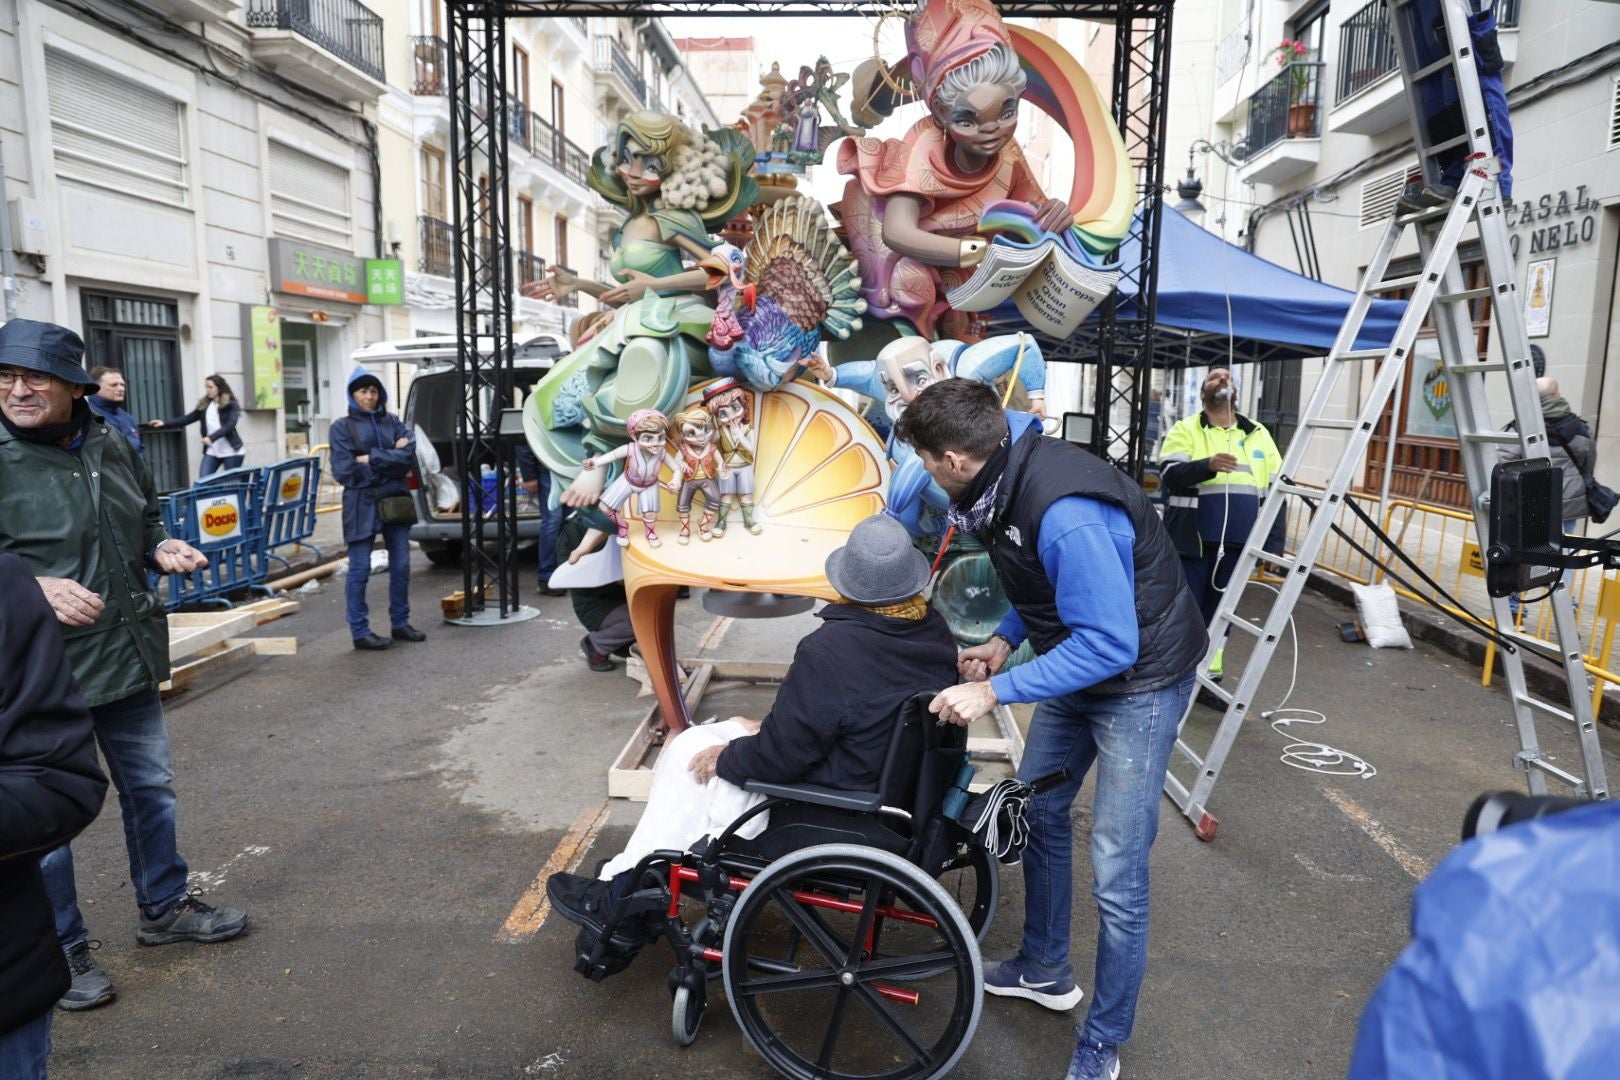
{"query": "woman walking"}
pixel 372 452
pixel 218 412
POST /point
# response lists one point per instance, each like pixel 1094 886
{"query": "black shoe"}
pixel 595 660
pixel 622 652
pixel 588 902
pixel 547 590
pixel 408 633
pixel 372 643
pixel 189 919
pixel 684 592
pixel 91 987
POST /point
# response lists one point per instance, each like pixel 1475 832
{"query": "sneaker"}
pixel 1017 977
pixel 1093 1061
pixel 189 919
pixel 91 987
pixel 594 660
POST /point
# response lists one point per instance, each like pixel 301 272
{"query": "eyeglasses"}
pixel 34 380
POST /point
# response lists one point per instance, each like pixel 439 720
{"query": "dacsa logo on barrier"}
pixel 220 519
pixel 291 486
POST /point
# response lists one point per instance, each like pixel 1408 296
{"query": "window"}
pixel 559 226
pixel 557 109
pixel 112 133
pixel 520 75
pixel 433 203
pixel 525 224
pixel 309 198
pixel 140 336
pixel 1310 27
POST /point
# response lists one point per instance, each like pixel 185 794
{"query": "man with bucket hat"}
pixel 830 724
pixel 78 506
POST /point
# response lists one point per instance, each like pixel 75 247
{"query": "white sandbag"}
pixel 1381 616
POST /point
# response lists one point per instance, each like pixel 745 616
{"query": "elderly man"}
pixel 108 403
pixel 78 507
pixel 830 724
pixel 1097 591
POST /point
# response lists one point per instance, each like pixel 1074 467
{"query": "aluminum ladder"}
pixel 1430 66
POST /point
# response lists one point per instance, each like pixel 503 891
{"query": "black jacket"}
pixel 229 413
pixel 1170 631
pixel 50 788
pixel 838 705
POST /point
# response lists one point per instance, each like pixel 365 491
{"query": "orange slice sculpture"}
pixel 818 470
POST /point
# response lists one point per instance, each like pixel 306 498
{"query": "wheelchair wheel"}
pixel 972 878
pixel 687 1015
pixel 844 961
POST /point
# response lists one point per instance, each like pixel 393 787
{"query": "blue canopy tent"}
pixel 1276 314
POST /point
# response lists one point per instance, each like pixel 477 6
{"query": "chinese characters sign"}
pixel 385 282
pixel 321 272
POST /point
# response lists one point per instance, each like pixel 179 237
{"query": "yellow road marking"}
pixel 529 914
pixel 1379 835
pixel 715 632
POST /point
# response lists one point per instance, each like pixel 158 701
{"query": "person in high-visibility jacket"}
pixel 1215 466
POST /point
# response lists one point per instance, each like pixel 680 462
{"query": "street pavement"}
pixel 384 816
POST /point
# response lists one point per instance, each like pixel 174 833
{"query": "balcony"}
pixel 1284 132
pixel 617 76
pixel 529 268
pixel 1370 98
pixel 332 46
pixel 558 151
pixel 432 59
pixel 196 10
pixel 436 244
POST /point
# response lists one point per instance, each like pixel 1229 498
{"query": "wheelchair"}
pixel 846 934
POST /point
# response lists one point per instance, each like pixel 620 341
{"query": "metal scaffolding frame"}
pixel 483 264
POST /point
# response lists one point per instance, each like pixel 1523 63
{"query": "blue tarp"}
pixel 1514 967
pixel 1276 314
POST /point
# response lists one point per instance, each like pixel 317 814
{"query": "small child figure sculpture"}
pixel 697 468
pixel 643 454
pixel 732 408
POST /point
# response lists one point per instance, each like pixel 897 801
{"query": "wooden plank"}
pixel 185 674
pixel 189 641
pixel 269 646
pixel 759 671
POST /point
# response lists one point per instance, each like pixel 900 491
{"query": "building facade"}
pixel 1307 148
pixel 181 172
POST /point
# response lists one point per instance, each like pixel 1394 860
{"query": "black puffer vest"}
pixel 1039 472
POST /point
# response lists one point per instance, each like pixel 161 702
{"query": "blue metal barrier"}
pixel 222 518
pixel 289 489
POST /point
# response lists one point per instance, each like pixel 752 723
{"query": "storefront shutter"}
pixel 309 198
pixel 109 132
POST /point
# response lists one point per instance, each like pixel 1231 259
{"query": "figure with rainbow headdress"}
pixel 912 209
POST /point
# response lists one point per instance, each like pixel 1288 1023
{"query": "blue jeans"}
pixel 1129 736
pixel 212 464
pixel 397 539
pixel 23 1050
pixel 550 525
pixel 135 745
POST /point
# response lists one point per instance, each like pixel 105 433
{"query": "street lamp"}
pixel 1189 187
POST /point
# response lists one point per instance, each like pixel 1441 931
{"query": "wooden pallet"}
pixel 630 775
pixel 208 640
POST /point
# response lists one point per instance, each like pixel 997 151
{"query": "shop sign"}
pixel 1554 222
pixel 320 272
pixel 219 519
pixel 385 282
pixel 261 356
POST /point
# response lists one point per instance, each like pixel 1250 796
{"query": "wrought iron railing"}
pixel 558 150
pixel 529 267
pixel 345 28
pixel 432 62
pixel 611 57
pixel 518 132
pixel 1287 107
pixel 1366 49
pixel 436 242
pixel 572 299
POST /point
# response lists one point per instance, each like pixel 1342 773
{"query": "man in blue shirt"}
pixel 1097 589
pixel 108 403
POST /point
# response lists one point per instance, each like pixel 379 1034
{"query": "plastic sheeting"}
pixel 1514 966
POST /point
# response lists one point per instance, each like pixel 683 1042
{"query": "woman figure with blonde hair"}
pixel 218 413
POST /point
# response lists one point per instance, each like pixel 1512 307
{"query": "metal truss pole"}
pixel 1125 364
pixel 479 126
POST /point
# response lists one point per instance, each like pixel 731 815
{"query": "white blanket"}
pixel 680 811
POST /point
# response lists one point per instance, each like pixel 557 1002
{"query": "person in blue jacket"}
pixel 371 454
pixel 218 413
pixel 108 403
pixel 1097 589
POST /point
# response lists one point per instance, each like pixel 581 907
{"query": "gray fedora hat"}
pixel 879 564
pixel 43 346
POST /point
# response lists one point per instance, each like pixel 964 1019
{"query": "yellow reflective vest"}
pixel 1185 473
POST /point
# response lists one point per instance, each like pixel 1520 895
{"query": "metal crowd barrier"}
pixel 1440 539
pixel 289 493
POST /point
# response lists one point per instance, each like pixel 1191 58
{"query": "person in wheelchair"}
pixel 830 725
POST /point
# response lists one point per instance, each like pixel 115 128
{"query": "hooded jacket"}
pixel 372 435
pixel 1569 443
pixel 119 419
pixel 50 788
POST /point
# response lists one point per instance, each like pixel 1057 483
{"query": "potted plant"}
pixel 1294 58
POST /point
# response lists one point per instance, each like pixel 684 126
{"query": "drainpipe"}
pixel 8 261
